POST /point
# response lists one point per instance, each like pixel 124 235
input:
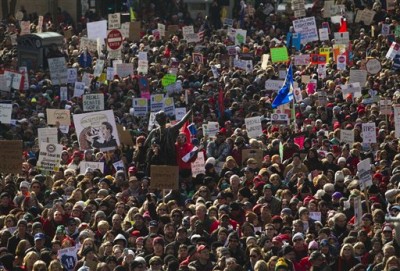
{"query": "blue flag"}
pixel 285 94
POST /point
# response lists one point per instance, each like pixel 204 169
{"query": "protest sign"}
pixel 125 30
pixel 257 154
pixel 393 50
pixel 68 257
pixel 323 34
pixel 72 75
pixel 139 107
pixel 97 30
pixel 168 79
pixel 253 127
pixel 58 70
pixel 373 66
pixel 87 79
pixel 187 30
pixel 114 21
pixel 62 116
pixel 156 102
pixel 246 65
pixel 134 31
pixel 124 135
pixel 396 109
pixel 198 165
pixel 210 129
pixel 143 66
pixel 385 106
pixel 25 28
pixel 11 156
pixel 307 28
pixel 119 165
pixel 49 156
pixel 97 130
pixel 3 84
pixel 98 68
pixel 365 15
pixel 341 38
pixel 161 29
pixel 180 112
pixel 90 44
pixel 124 69
pixel 174 88
pixel 358 76
pixel 164 177
pixel 364 173
pixel 279 54
pixel 273 84
pixel 93 102
pixel 84 165
pixel 368 132
pixel 110 73
pixel 264 61
pixel 240 36
pixel 169 106
pixel 5 113
pixel 48 135
pixel 300 60
pixel 79 89
pixel 63 94
pixel 316 216
pixel 280 119
pixel 152 121
pixel 14 80
pixel 347 136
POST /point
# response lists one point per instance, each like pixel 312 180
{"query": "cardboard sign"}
pixel 347 136
pixel 368 132
pixel 164 177
pixel 48 135
pixel 62 116
pixel 97 130
pixel 83 165
pixel 93 102
pixel 58 70
pixel 49 156
pixel 134 31
pixel 140 107
pixel 253 127
pixel 256 154
pixel 198 166
pixel 279 54
pixel 307 29
pixel 11 156
pixel 5 113
pixel 124 135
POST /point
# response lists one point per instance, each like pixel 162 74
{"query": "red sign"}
pixel 114 39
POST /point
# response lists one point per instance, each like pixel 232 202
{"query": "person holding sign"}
pixel 165 137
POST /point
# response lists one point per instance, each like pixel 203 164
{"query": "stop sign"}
pixel 114 39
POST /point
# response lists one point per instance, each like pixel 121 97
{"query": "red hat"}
pixel 307 200
pixel 299 115
pixel 222 131
pixel 336 125
pixel 374 199
pixel 135 233
pixel 349 126
pixel 378 176
pixel 329 105
pixel 361 111
pixel 201 248
pixel 132 170
pixel 259 185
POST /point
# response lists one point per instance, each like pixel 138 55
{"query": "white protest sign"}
pixel 180 112
pixel 14 79
pixel 156 102
pixel 5 113
pixel 396 108
pixel 385 106
pixel 210 129
pixel 271 84
pixel 58 70
pixel 142 56
pixel 90 44
pixel 3 83
pixel 114 21
pixel 84 165
pixel 364 173
pixel 342 38
pixel 347 136
pixel 264 61
pixel 140 107
pixel 49 156
pixel 302 60
pixel 110 73
pixel 98 68
pixel 246 65
pixel 125 30
pixel 68 257
pixel 93 102
pixel 48 135
pixel 152 121
pixel 365 15
pixel 174 88
pixel 72 75
pixel 393 50
pixel 143 66
pixel 358 76
pixel 63 94
pixel 253 126
pixel 316 216
pixel 368 132
pixel 169 106
pixel 87 78
pixel 373 66
pixel 119 165
pixel 79 89
pixel 124 69
pixel 97 30
pixel 280 119
pixel 198 166
pixel 187 30
pixel 161 29
pixel 307 28
pixel 323 34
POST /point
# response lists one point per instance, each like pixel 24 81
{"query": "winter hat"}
pixel 339 176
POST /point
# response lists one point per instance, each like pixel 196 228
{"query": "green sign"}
pixel 279 54
pixel 168 79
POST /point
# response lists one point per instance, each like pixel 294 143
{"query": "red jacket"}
pixel 181 151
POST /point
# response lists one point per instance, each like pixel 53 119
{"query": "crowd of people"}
pixel 299 207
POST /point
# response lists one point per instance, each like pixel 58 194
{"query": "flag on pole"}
pixel 285 94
